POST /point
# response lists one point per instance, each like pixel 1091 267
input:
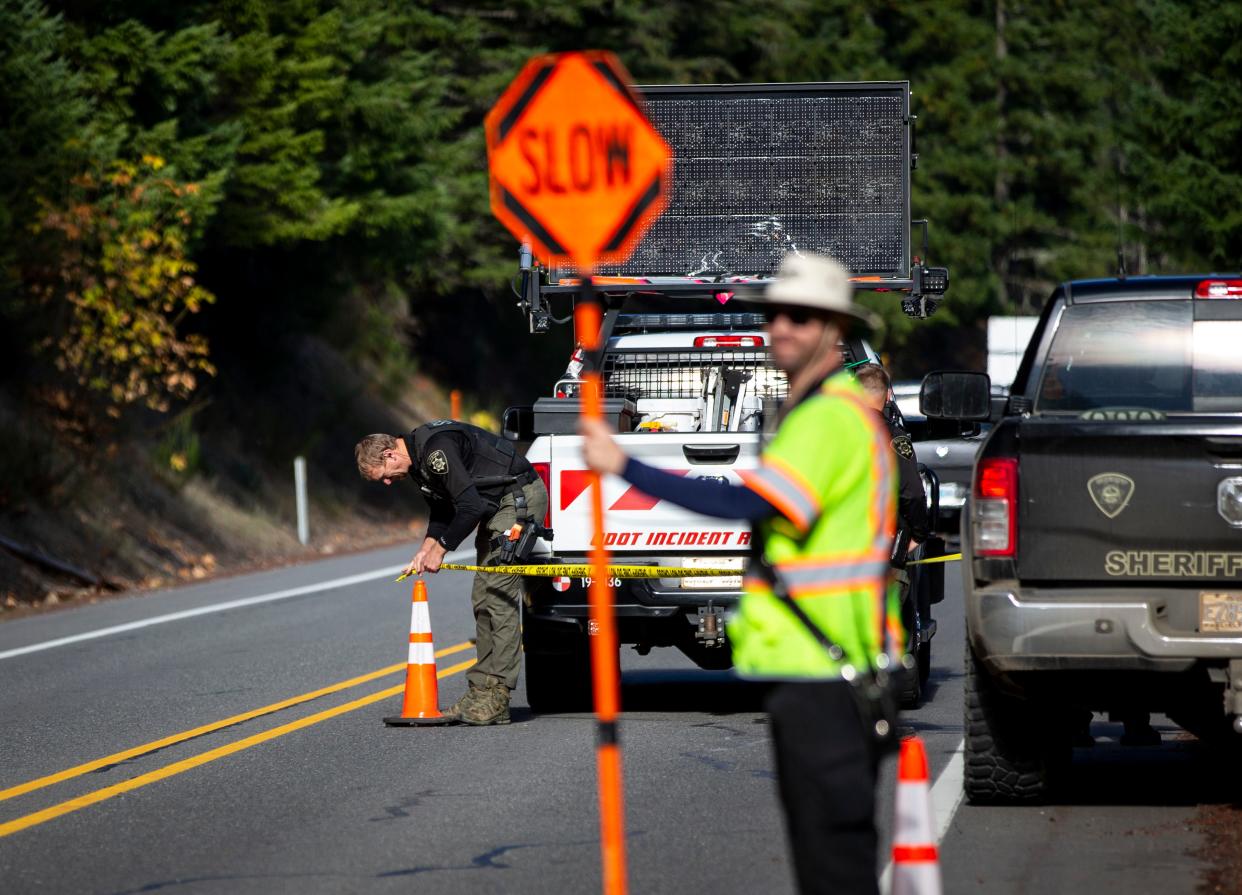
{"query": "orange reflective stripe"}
pixel 840 558
pixel 837 588
pixel 421 638
pixel 908 853
pixel 804 577
pixel 795 478
pixel 894 629
pixel 771 489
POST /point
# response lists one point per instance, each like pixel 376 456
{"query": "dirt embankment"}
pixel 203 492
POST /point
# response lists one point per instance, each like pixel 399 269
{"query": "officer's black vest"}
pixel 494 463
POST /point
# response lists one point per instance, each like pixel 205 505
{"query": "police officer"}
pixel 823 509
pixel 471 478
pixel 913 520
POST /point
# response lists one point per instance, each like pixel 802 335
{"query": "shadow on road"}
pixel 1180 771
pixel 939 677
pixel 715 692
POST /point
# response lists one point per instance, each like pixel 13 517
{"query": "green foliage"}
pixel 1185 140
pixel 121 269
pixel 43 122
pixel 338 150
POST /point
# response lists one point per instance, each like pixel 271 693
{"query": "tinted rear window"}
pixel 1150 354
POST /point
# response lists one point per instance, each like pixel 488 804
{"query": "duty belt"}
pixel 516 479
pixel 519 541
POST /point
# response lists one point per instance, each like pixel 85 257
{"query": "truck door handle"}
pixel 711 453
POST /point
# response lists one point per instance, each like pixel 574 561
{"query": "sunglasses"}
pixel 795 314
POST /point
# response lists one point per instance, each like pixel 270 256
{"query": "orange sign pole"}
pixel 579 172
pixel 604 671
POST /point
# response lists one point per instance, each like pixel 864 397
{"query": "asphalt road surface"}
pixel 227 738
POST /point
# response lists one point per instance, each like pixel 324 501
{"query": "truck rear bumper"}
pixel 1018 630
pixel 621 610
pixel 637 596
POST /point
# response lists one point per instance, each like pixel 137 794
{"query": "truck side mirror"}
pixel 956 395
pixel 519 423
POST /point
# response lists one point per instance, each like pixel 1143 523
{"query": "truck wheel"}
pixel 924 660
pixel 912 693
pixel 1200 710
pixel 557 667
pixel 1013 746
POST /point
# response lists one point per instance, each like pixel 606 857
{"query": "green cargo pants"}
pixel 497 598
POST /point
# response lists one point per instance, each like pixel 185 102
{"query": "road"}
pixel 227 737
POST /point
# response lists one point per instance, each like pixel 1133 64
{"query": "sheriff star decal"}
pixel 437 462
pixel 903 446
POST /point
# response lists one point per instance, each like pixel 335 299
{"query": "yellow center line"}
pixel 179 767
pixel 118 757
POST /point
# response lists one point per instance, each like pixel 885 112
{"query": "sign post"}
pixel 579 173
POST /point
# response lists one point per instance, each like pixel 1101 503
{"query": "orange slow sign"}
pixel 576 167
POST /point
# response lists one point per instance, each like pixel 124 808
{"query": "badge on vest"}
pixel 903 446
pixel 437 462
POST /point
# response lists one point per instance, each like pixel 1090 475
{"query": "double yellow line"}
pixel 178 767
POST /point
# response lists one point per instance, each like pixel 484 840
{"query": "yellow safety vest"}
pixel 829 470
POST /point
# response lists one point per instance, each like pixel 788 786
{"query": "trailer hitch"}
pixel 711 630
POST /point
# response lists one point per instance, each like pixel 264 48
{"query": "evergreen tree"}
pixel 45 136
pixel 338 149
pixel 1185 139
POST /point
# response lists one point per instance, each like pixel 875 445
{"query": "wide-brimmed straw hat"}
pixel 816 281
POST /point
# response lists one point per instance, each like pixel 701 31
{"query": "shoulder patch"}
pixel 437 462
pixel 903 446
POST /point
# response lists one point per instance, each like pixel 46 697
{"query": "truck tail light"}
pixel 994 526
pixel 1219 289
pixel 728 341
pixel 544 471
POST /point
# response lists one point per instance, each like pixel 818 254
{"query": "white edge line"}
pixel 947 791
pixel 216 607
pixel 946 796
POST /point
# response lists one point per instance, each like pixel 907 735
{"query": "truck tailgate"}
pixel 1130 503
pixel 635 522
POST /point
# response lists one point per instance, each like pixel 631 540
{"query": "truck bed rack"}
pixel 681 373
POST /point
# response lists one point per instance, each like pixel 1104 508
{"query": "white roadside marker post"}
pixel 299 487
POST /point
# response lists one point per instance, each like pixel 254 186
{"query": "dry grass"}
pixel 120 511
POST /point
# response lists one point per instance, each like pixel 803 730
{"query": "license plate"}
pixel 713 582
pixel 1220 611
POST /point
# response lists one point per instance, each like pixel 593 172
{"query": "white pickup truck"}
pixel 689 393
pixel 759 170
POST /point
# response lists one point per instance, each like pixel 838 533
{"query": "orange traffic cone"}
pixel 916 862
pixel 422 693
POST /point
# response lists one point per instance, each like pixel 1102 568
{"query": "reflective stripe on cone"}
pixel 916 861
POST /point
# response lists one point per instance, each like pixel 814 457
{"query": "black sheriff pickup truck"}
pixel 1102 550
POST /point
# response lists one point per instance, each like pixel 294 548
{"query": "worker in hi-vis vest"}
pixel 814 614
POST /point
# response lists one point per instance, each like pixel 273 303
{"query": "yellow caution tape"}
pixel 922 562
pixel 583 570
